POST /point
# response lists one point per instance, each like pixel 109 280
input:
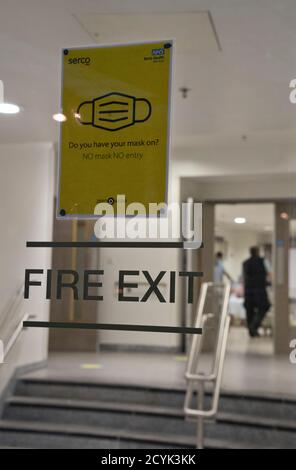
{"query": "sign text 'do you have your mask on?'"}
pixel 115 138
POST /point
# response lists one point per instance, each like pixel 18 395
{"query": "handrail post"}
pixel 195 379
pixel 200 419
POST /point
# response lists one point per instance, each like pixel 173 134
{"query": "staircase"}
pixel 57 413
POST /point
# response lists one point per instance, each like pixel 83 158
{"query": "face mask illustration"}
pixel 114 111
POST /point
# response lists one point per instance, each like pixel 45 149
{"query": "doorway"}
pixel 67 309
pixel 277 244
pixel 238 227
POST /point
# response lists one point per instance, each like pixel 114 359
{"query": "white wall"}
pixel 151 312
pixel 262 166
pixel 265 156
pixel 26 210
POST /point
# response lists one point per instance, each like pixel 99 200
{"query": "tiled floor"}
pixel 249 367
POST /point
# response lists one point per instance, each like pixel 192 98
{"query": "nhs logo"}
pixel 159 51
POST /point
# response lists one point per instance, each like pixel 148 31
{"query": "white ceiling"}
pixel 193 32
pixel 241 89
pixel 259 217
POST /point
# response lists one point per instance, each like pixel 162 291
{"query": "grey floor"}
pixel 249 367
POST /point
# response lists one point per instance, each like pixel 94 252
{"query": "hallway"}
pixel 95 401
pixel 249 367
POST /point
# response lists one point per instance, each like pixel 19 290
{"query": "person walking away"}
pixel 256 303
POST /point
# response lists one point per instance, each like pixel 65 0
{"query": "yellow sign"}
pixel 115 136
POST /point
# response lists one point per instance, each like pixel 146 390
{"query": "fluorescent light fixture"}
pixel 59 117
pixel 240 220
pixel 284 215
pixel 9 108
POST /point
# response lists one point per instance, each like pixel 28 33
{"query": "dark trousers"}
pixel 257 305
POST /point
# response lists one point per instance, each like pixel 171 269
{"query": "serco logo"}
pixel 159 51
pixel 79 60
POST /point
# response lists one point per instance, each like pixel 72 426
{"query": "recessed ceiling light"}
pixel 9 108
pixel 240 220
pixel 284 215
pixel 59 117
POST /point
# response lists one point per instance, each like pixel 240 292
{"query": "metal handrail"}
pixel 13 304
pixel 14 336
pixel 198 380
pixel 12 307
